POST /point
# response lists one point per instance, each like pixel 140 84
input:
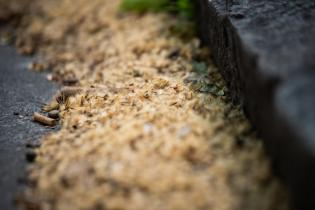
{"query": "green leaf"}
pixel 196 86
pixel 213 89
pixel 194 78
pixel 200 67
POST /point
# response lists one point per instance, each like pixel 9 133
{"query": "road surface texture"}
pixel 265 49
pixel 21 93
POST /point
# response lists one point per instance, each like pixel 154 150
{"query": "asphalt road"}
pixel 21 93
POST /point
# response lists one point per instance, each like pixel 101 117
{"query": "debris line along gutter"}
pixel 148 122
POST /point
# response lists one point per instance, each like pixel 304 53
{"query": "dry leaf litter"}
pixel 143 128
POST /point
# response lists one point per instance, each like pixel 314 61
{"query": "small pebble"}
pixel 49 77
pixel 148 128
pixel 183 132
pixel 53 114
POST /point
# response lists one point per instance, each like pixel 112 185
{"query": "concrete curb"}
pixel 266 52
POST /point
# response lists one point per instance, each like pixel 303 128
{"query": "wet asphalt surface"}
pixel 21 94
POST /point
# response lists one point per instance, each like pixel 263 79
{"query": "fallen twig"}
pixel 43 119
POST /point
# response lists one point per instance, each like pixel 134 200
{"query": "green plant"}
pixel 185 8
pixel 181 7
pixel 142 6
